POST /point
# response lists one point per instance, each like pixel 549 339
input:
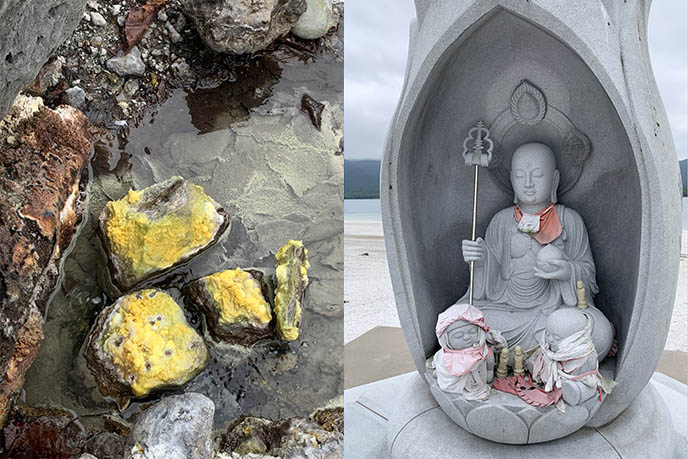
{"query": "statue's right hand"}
pixel 473 250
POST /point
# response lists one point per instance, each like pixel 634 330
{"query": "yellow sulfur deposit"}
pixel 148 244
pixel 239 297
pixel 292 280
pixel 151 344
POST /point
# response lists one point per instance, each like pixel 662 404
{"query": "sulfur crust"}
pixel 290 274
pixel 155 245
pixel 239 297
pixel 151 344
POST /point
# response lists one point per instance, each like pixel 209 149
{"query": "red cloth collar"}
pixel 550 226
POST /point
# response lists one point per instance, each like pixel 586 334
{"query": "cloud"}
pixel 376 44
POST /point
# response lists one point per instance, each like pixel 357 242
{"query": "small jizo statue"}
pixel 465 364
pixel 567 359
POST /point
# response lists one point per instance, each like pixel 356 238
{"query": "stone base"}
pixel 398 418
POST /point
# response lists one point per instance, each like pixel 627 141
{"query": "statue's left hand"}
pixel 561 270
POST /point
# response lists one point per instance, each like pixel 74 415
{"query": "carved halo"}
pixel 529 118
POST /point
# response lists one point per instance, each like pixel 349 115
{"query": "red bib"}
pixel 550 226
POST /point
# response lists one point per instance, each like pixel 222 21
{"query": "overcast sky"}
pixel 376 45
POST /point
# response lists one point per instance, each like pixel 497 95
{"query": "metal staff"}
pixel 477 155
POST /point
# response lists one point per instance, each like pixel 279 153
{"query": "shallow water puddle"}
pixel 246 141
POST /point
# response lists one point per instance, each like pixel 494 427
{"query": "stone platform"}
pixel 398 418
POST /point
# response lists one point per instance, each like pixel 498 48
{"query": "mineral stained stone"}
pixel 292 280
pixel 42 200
pixel 234 303
pixel 149 232
pixel 142 343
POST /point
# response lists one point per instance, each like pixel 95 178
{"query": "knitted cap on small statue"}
pixel 462 311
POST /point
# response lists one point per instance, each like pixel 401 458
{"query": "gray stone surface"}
pixel 127 64
pixel 398 417
pixel 76 97
pixel 243 26
pixel 31 30
pixel 591 62
pixel 177 427
pixel 315 22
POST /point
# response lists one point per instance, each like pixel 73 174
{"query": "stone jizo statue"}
pixel 533 254
pixel 566 359
pixel 465 364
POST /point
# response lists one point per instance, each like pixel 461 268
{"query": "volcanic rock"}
pixel 42 199
pixel 142 343
pixel 151 231
pixel 243 26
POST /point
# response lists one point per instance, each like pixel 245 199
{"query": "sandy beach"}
pixel 369 301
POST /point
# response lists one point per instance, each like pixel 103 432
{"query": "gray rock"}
pixel 97 19
pixel 177 427
pixel 127 64
pixel 76 97
pixel 315 22
pixel 31 31
pixel 182 69
pixel 174 35
pixel 243 26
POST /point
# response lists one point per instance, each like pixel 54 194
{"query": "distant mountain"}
pixel 361 179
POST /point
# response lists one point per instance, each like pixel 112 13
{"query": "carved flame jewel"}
pixel 528 105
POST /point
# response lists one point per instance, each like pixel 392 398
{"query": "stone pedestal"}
pixel 399 418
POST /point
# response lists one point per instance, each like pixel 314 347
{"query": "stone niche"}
pixel 473 61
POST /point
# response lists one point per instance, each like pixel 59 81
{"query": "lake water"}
pixel 362 209
pixel 369 209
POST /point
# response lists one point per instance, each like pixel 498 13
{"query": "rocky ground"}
pixel 170 55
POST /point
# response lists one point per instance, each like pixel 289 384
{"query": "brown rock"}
pixel 41 202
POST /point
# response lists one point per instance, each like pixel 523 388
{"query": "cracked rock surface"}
pixel 41 204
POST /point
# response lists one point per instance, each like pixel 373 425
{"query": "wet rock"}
pixel 42 199
pixel 105 445
pixel 177 427
pixel 127 64
pixel 174 35
pixel 234 304
pixel 292 438
pixel 76 97
pixel 31 31
pixel 314 109
pixel 48 77
pixel 42 432
pixel 243 26
pixel 151 231
pixel 182 69
pixel 292 280
pixel 143 343
pixel 315 22
pixel 97 19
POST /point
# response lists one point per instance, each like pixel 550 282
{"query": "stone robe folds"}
pixel 514 300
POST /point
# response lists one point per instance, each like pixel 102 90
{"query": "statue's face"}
pixel 461 335
pixel 553 339
pixel 532 174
